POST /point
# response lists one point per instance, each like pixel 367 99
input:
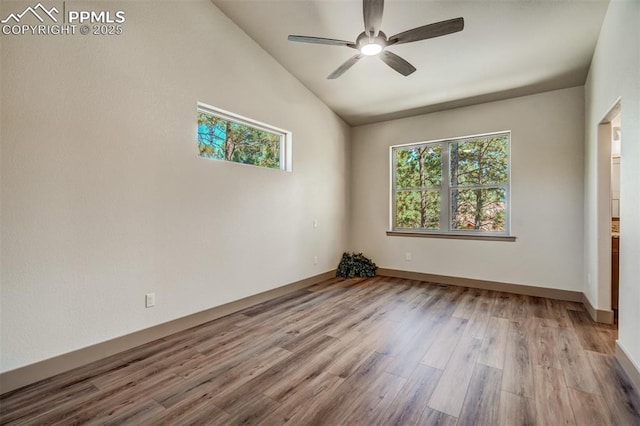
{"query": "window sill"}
pixel 505 238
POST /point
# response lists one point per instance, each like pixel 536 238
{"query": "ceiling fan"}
pixel 373 42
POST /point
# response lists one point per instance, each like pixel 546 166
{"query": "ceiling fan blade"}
pixel 428 31
pixel 397 63
pixel 372 11
pixel 321 40
pixel 342 68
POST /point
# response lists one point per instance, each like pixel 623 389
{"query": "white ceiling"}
pixel 508 48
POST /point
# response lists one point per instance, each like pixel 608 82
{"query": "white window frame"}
pixel 445 189
pixel 286 136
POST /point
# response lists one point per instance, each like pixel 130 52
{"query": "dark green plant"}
pixel 356 265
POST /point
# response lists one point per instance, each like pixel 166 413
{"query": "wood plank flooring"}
pixel 378 351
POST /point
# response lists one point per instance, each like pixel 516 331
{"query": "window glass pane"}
pixel 418 209
pixel 224 139
pixel 419 167
pixel 211 136
pixel 479 161
pixel 478 209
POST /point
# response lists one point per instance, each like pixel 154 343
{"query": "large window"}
pixel 456 186
pixel 226 136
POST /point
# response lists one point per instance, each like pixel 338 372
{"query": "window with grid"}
pixel 456 186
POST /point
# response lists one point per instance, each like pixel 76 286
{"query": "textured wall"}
pixel 615 75
pixel 546 192
pixel 105 199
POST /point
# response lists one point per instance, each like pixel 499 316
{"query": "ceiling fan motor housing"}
pixel 365 40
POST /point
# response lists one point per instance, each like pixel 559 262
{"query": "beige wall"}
pixel 546 192
pixel 615 74
pixel 105 199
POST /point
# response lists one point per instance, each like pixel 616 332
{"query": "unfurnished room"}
pixel 320 212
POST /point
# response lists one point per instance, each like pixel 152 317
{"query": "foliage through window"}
pixel 224 136
pixel 452 186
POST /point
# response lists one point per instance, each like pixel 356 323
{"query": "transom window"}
pixel 456 186
pixel 226 136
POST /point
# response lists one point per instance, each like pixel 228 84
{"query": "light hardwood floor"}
pixel 378 351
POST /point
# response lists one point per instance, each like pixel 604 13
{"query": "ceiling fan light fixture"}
pixel 371 46
pixel 370 49
pixel 372 41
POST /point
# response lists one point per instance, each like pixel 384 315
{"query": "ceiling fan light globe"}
pixel 370 49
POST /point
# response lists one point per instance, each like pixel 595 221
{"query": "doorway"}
pixel 616 143
pixel 609 226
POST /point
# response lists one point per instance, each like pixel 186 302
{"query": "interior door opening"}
pixel 616 143
pixel 609 225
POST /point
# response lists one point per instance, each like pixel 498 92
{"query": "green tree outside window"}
pixel 452 186
pixel 224 139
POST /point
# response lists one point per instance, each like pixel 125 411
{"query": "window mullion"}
pixel 445 194
pixel 394 190
pixel 486 186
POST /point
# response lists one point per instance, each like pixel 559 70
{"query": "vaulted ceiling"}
pixel 507 49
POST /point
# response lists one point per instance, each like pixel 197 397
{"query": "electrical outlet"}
pixel 149 300
pixel 315 223
pixel 407 256
pixel 315 260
